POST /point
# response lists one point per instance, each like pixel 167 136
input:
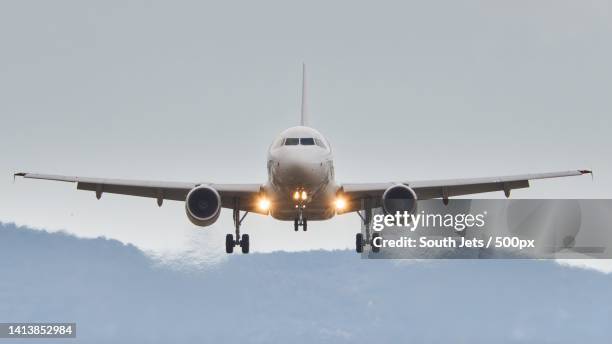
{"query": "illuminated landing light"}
pixel 340 203
pixel 296 195
pixel 304 195
pixel 264 204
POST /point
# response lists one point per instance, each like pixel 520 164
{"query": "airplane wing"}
pixel 246 194
pixel 428 189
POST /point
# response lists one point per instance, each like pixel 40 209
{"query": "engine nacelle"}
pixel 203 206
pixel 399 198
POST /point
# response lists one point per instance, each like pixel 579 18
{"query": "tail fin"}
pixel 304 113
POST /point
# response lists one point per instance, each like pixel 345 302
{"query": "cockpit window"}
pixel 304 141
pixel 292 141
pixel 307 141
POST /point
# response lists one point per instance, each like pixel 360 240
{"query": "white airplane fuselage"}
pixel 300 164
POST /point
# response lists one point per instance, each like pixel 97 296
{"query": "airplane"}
pixel 301 187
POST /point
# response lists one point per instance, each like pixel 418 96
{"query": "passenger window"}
pixel 307 141
pixel 292 141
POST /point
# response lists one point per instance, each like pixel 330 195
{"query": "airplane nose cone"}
pixel 301 172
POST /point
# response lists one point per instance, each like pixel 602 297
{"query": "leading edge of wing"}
pixel 501 179
pixel 145 188
pixel 434 188
pixel 103 181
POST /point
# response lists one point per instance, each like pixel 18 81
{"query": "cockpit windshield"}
pixel 292 141
pixel 304 141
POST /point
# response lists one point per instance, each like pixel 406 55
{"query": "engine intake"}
pixel 399 198
pixel 203 206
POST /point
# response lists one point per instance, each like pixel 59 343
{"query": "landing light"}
pixel 264 204
pixel 296 195
pixel 304 195
pixel 340 203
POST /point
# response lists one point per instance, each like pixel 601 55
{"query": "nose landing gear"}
pixel 243 241
pixel 300 221
pixel 300 196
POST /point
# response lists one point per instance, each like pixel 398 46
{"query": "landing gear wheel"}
pixel 375 248
pixel 244 243
pixel 304 225
pixel 359 242
pixel 229 243
pixel 296 225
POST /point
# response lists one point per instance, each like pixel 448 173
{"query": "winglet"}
pixel 587 172
pixel 18 174
pixel 303 113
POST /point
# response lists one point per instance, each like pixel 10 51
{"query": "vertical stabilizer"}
pixel 304 113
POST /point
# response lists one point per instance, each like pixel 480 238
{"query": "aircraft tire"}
pixel 244 243
pixel 229 243
pixel 359 243
pixel 375 249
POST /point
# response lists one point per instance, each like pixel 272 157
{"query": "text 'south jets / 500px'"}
pixel 301 187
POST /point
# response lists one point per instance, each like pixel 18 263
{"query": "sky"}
pixel 116 293
pixel 196 91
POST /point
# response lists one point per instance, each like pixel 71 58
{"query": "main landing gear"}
pixel 243 241
pixel 364 239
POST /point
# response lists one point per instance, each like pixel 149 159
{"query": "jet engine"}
pixel 203 206
pixel 399 198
